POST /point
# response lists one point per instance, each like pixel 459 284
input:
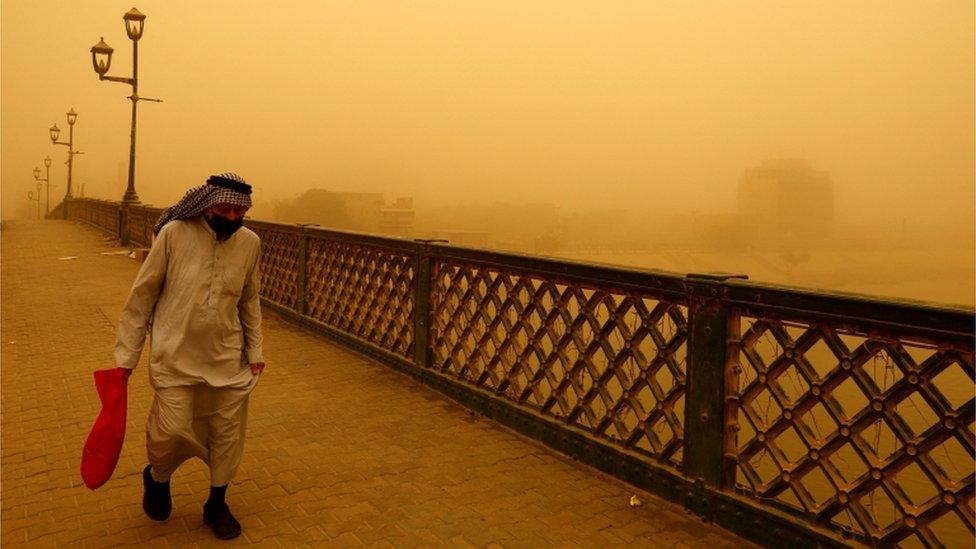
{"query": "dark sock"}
pixel 217 494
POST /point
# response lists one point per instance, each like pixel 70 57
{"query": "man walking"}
pixel 198 294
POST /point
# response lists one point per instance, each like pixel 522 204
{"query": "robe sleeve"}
pixel 249 310
pixel 134 322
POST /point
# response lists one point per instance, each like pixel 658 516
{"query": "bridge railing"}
pixel 138 223
pixel 103 214
pixel 851 412
pixel 788 415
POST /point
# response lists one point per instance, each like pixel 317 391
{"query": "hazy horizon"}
pixel 656 107
pixel 656 110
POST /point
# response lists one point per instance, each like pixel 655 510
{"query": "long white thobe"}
pixel 201 297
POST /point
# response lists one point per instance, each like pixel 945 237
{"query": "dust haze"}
pixel 824 144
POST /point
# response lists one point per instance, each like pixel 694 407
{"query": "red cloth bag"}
pixel 104 443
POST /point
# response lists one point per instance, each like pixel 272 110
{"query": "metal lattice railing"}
pixel 870 435
pixel 362 290
pixel 608 361
pixel 102 214
pixel 140 222
pixel 792 417
pixel 280 255
pixel 133 224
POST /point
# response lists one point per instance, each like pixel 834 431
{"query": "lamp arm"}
pixel 62 143
pixel 130 81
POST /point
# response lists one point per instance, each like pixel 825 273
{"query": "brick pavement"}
pixel 341 451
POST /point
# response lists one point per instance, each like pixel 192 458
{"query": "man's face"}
pixel 230 211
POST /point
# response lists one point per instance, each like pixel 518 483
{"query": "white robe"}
pixel 201 298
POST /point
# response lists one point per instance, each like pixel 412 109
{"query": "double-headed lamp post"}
pixel 47 181
pixel 101 61
pixel 55 132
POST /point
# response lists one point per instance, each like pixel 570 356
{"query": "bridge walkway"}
pixel 341 451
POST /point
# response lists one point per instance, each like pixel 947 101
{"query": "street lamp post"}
pixel 47 181
pixel 32 198
pixel 55 132
pixel 101 61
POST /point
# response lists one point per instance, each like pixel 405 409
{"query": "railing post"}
pixel 421 306
pixel 707 429
pixel 302 282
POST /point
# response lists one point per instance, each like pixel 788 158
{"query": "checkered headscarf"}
pixel 226 188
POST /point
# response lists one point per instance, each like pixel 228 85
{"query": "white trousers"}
pixel 197 421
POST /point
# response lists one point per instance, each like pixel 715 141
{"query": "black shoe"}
pixel 218 517
pixel 156 501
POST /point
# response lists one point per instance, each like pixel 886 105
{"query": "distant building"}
pixel 398 219
pixel 363 209
pixel 787 196
pixel 364 212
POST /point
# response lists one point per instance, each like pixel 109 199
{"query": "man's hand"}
pixel 257 367
pixel 126 372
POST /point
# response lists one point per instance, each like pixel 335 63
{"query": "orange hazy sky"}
pixel 645 105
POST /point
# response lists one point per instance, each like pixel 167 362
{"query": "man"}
pixel 198 294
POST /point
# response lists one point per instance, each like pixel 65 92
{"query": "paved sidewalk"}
pixel 341 451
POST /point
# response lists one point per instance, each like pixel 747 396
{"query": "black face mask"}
pixel 223 226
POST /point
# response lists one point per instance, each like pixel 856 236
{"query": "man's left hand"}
pixel 257 367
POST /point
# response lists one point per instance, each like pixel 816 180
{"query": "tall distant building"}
pixel 787 196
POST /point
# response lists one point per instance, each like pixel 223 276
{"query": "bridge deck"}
pixel 340 450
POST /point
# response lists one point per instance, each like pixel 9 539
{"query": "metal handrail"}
pixel 519 337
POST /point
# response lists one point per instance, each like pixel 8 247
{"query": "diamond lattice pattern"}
pixel 141 220
pixel 279 266
pixel 607 361
pixel 364 291
pixel 104 215
pixel 864 434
